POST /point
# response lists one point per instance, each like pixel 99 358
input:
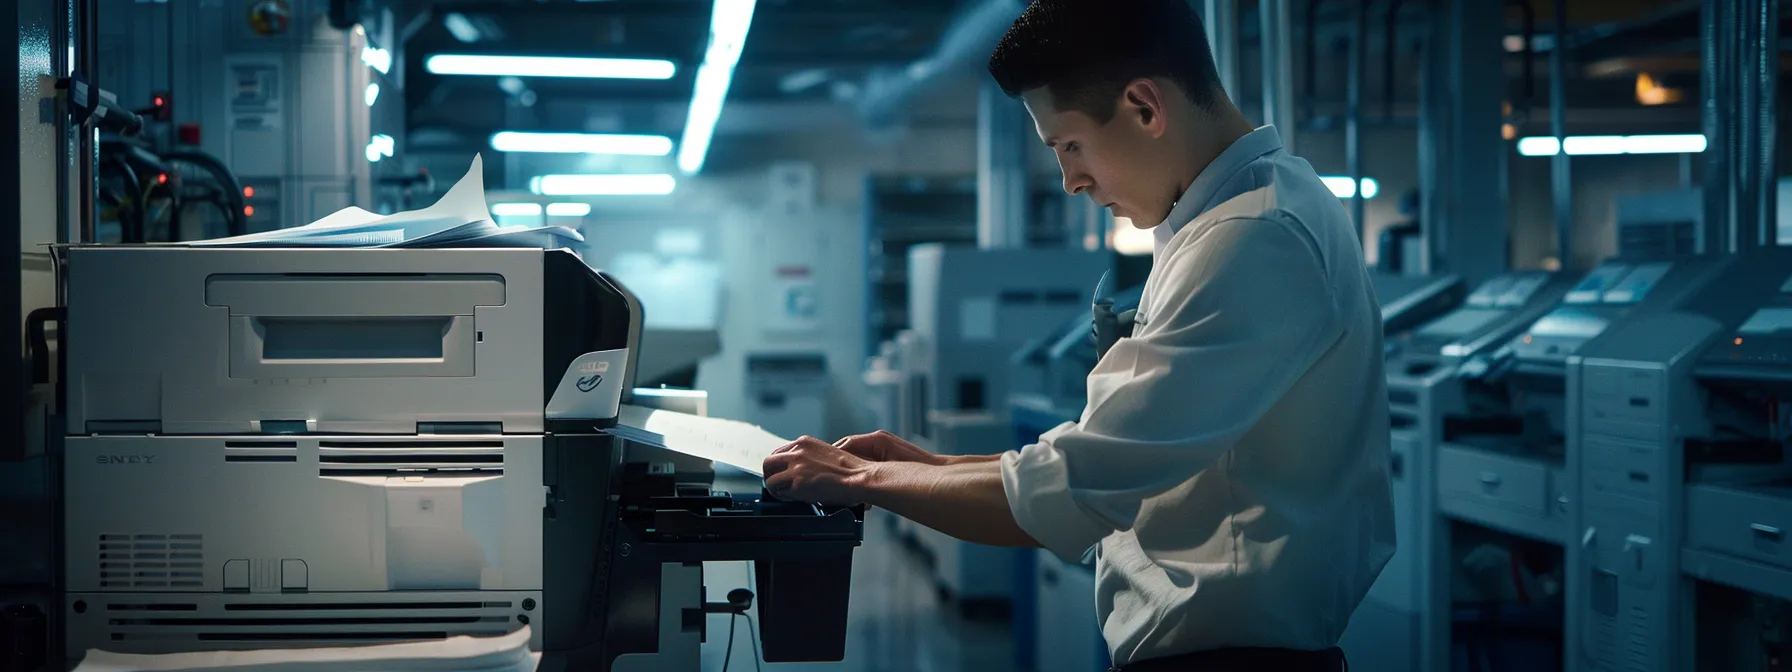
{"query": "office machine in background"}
pixel 1393 629
pixel 1408 301
pixel 294 448
pixel 1680 465
pixel 969 310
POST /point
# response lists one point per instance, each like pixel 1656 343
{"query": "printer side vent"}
pixel 392 458
pixel 165 561
pixel 285 624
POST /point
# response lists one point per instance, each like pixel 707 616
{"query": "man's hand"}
pixel 882 446
pixel 810 470
pixel 961 496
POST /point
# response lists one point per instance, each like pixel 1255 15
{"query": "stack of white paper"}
pixel 460 219
pixel 730 442
pixel 509 653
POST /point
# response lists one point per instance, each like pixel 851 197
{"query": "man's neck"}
pixel 1215 131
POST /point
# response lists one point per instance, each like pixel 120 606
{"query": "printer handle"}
pixel 37 343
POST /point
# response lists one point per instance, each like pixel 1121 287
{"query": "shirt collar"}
pixel 1205 190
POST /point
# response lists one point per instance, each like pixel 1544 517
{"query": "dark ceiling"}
pixel 798 48
pixel 792 42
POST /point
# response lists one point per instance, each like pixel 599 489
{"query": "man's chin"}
pixel 1134 222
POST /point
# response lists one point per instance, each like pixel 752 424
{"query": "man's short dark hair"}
pixel 1085 52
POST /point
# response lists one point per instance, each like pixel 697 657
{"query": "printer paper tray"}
pixel 678 525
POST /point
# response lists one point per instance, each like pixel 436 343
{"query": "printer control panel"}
pixel 1764 339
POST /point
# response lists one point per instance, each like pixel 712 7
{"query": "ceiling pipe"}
pixel 966 43
pixel 1530 51
pixel 1312 49
pixel 1390 49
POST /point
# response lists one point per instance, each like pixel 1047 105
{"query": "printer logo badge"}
pixel 124 459
pixel 589 383
pixel 597 366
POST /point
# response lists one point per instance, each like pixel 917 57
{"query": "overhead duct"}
pixel 966 42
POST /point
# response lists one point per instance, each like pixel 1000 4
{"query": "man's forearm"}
pixel 962 498
pixel 954 460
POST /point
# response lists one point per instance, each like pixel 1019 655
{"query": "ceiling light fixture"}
pixel 549 66
pixel 581 143
pixel 729 23
pixel 1344 187
pixel 569 209
pixel 378 59
pixel 380 146
pixel 603 185
pixel 1605 145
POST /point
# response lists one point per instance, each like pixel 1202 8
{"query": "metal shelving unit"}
pixel 904 211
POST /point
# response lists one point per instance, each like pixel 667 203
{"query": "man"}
pixel 1230 472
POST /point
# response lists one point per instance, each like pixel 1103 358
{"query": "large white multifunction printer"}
pixel 322 447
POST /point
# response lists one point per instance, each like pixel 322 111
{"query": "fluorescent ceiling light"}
pixel 1538 146
pixel 516 209
pixel 377 58
pixel 380 146
pixel 373 93
pixel 582 143
pixel 603 185
pixel 549 66
pixel 1662 144
pixel 1344 187
pixel 569 209
pixel 1593 145
pixel 460 27
pixel 728 26
pixel 1606 145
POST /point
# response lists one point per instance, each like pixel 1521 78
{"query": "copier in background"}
pixel 1053 630
pixel 1679 557
pixel 1389 630
pixel 275 448
pixel 969 310
pixel 1408 301
pixel 1483 408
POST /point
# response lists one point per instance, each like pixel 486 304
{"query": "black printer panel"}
pixel 582 312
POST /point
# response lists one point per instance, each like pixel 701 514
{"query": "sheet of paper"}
pixel 544 237
pixel 357 239
pixel 731 442
pixel 508 653
pixel 462 231
pixel 463 204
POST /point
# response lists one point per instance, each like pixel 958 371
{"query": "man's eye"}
pixel 1071 147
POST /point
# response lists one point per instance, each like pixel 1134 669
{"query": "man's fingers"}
pixel 779 484
pixel 862 445
pixel 799 443
pixel 779 462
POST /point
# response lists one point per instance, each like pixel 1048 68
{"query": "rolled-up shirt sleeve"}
pixel 1241 312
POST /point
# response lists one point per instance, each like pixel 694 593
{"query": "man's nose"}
pixel 1075 183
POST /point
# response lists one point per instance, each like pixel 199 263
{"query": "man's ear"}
pixel 1142 103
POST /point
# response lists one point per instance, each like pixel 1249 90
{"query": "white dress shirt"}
pixel 1231 466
